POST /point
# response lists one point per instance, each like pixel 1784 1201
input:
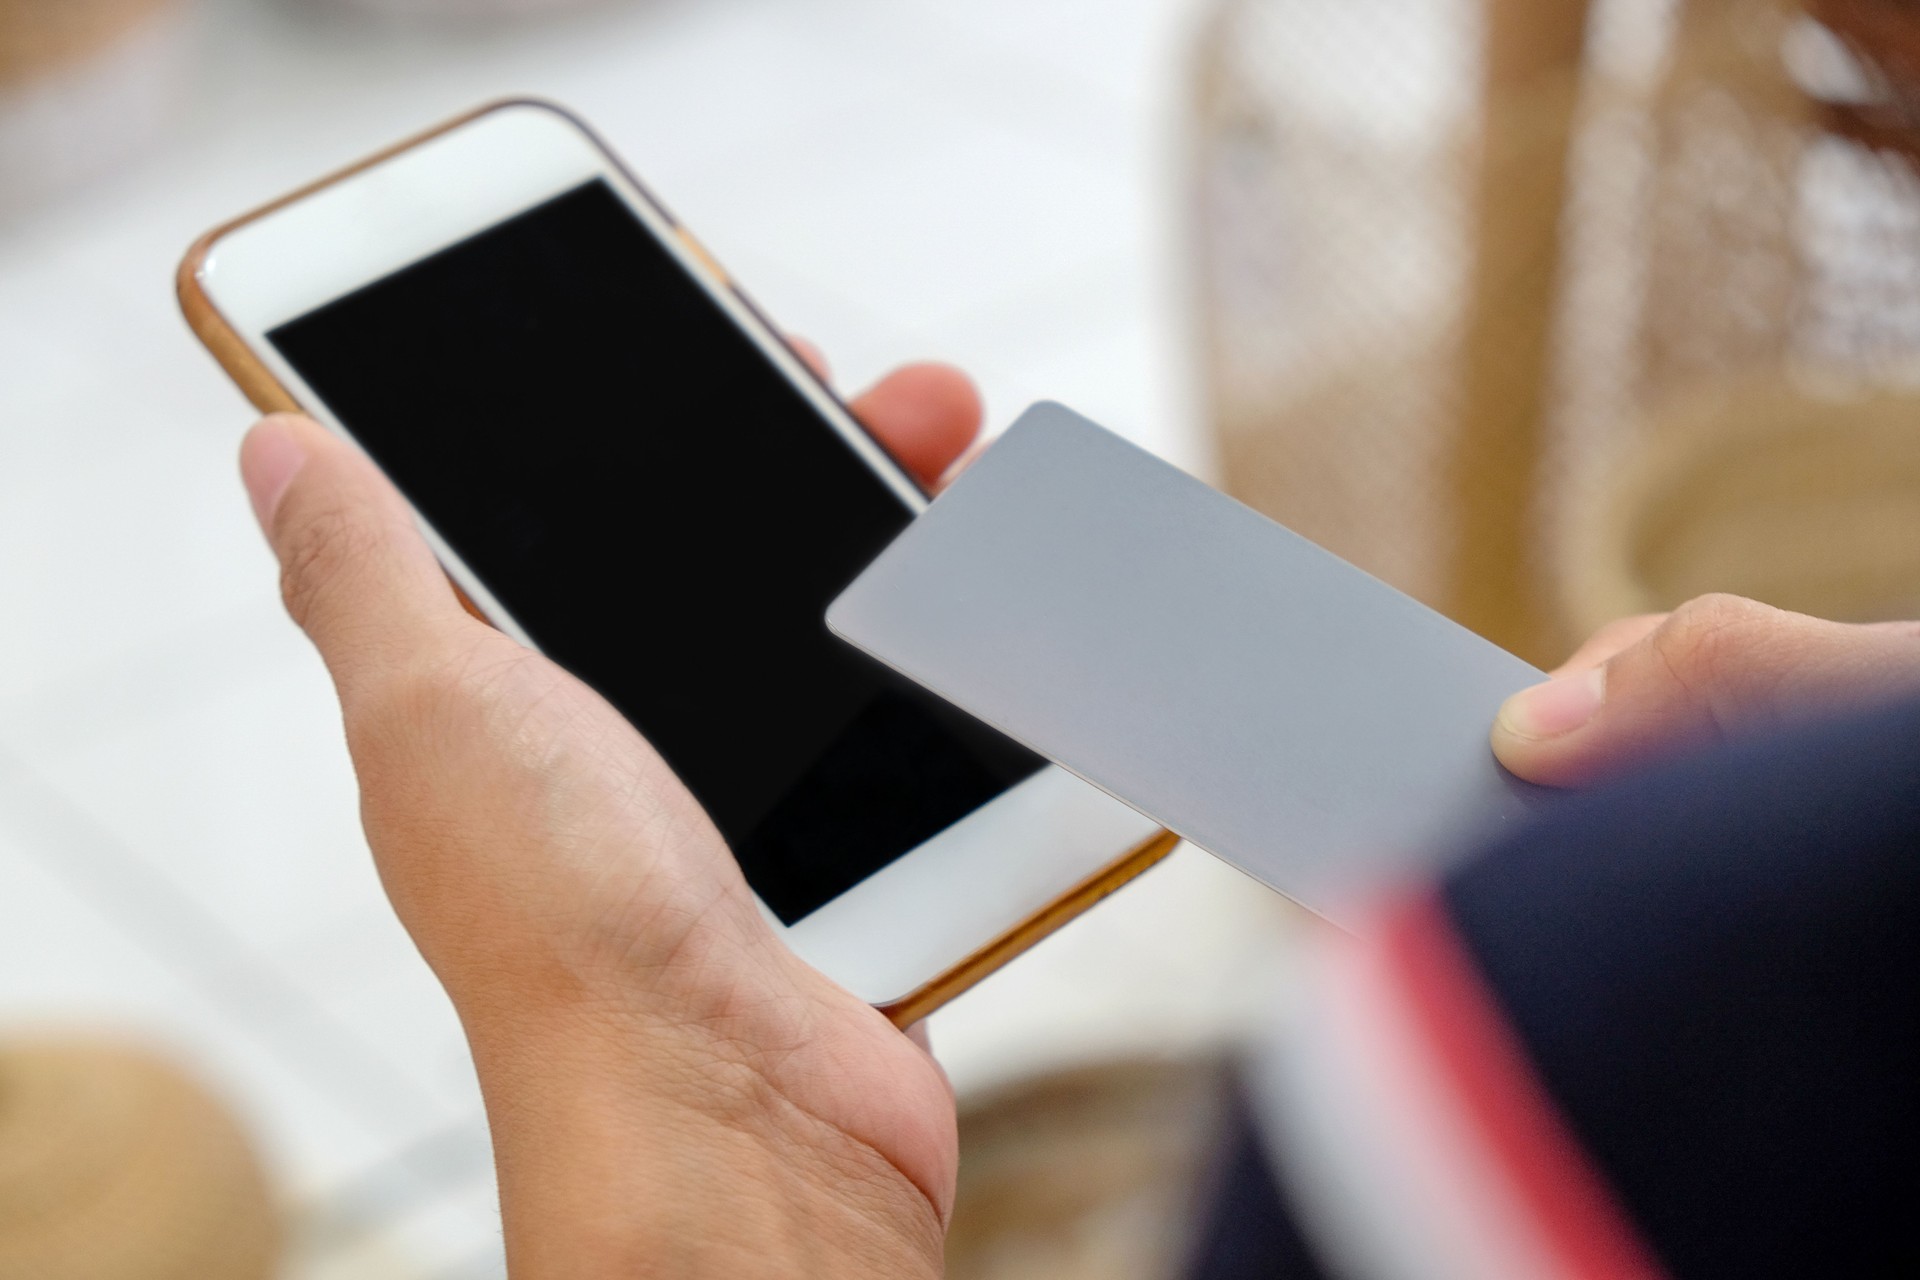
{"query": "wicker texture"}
pixel 1492 289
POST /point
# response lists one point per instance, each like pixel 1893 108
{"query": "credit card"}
pixel 1245 688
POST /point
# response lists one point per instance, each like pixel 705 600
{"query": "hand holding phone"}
pixel 608 961
pixel 651 499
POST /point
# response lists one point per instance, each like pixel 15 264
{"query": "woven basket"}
pixel 115 1166
pixel 1550 309
pixel 1378 188
pixel 1804 500
pixel 1768 443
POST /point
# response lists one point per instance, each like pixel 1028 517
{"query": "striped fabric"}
pixel 1671 1031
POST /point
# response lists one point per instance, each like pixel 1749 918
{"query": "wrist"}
pixel 633 1144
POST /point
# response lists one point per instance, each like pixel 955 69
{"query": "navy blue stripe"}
pixel 1714 967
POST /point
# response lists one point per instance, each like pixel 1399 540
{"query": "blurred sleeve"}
pixel 1670 1030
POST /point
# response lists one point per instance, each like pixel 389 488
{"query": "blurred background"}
pixel 1544 310
pixel 180 856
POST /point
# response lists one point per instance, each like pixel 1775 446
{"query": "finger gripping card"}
pixel 1231 680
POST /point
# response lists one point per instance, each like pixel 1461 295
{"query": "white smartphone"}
pixel 621 464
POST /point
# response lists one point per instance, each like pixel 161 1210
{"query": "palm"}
pixel 547 815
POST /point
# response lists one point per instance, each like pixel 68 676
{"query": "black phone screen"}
pixel 666 516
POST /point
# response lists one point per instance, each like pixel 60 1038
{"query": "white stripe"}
pixel 1387 1175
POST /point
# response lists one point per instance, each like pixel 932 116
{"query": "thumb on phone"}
pixel 355 573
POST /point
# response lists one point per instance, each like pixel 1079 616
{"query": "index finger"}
pixel 925 415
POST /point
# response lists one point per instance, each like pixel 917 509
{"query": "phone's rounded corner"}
pixel 189 291
pixel 193 287
pixel 908 1009
pixel 203 316
pixel 492 108
pixel 186 276
pixel 525 102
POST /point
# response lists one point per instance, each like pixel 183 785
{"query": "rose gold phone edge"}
pixel 266 393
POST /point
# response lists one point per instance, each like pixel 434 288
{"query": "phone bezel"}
pixel 936 919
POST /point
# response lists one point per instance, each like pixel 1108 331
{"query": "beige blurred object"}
pixel 461 10
pixel 1766 490
pixel 116 1166
pixel 1516 307
pixel 84 86
pixel 1531 53
pixel 1760 431
pixel 37 36
pixel 1084 1174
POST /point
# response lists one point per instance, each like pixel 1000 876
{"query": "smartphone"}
pixel 620 463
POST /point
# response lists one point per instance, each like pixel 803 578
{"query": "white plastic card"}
pixel 1221 674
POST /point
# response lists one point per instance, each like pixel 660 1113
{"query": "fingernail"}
pixel 1559 706
pixel 272 458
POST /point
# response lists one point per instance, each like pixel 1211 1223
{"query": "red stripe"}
pixel 1485 1067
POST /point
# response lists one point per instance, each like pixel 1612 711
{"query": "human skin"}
pixel 1717 667
pixel 671 1092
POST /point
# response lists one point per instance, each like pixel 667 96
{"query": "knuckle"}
pixel 397 713
pixel 1707 642
pixel 420 692
pixel 1705 617
pixel 324 548
pixel 441 696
